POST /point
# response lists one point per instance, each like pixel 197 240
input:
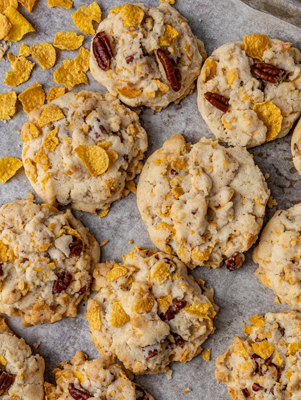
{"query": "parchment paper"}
pixel 239 294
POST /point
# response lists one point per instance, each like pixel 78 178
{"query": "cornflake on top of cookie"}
pixel 149 311
pixel 249 92
pixel 146 55
pixel 46 262
pixel 267 364
pixel 98 379
pixel 83 149
pixel 202 202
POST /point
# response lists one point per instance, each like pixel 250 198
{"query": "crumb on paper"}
pixel 272 202
pixel 3 49
pixel 131 241
pixel 277 300
pixel 206 355
pixel 36 345
pixel 266 176
pixel 200 20
pixel 169 374
pixel 103 242
pixel 104 213
pixel 187 390
pixel 213 340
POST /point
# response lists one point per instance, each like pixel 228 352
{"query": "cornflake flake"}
pixel 20 25
pixel 84 16
pixel 133 15
pixel 68 40
pixel 29 131
pixel 55 93
pixel 50 114
pixel 263 349
pixel 5 26
pixel 116 272
pixel 80 62
pixel 21 70
pixel 198 309
pixel 7 105
pixel 60 3
pixel 144 305
pixel 169 35
pixel 32 98
pixel 8 168
pixel 256 45
pixel 4 4
pixel 129 93
pixel 95 159
pixel 271 116
pixel 93 316
pixel 44 53
pixel 51 141
pixel 118 316
pixel 28 4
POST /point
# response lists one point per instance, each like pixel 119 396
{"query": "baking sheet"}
pixel 239 294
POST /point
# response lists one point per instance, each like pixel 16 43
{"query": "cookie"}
pixel 267 364
pixel 278 255
pixel 47 258
pixel 146 55
pixel 21 373
pixel 250 92
pixel 202 202
pixel 84 149
pixel 296 147
pixel 98 379
pixel 149 311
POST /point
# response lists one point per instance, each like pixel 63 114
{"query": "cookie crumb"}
pixel 131 241
pixel 36 345
pixel 266 176
pixel 212 340
pixel 206 354
pixel 169 374
pixel 187 390
pixel 272 202
pixel 104 213
pixel 277 300
pixel 200 20
pixel 103 242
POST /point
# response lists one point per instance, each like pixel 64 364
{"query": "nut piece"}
pixel 167 68
pixel 102 50
pixel 64 279
pixel 217 101
pixel 78 394
pixel 234 262
pixel 140 393
pixel 5 382
pixel 76 247
pixel 268 72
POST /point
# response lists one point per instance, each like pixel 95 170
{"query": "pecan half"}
pixel 178 339
pixel 234 262
pixel 82 290
pixel 174 309
pixel 102 50
pixel 5 382
pixel 129 59
pixel 151 354
pixel 256 387
pixel 1 269
pixel 75 247
pixel 140 393
pixel 119 134
pixel 217 101
pixel 64 279
pixel 170 71
pixel 268 72
pixel 78 394
pixel 246 393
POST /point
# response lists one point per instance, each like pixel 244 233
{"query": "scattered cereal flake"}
pixel 257 321
pixel 161 273
pixel 36 345
pixel 5 26
pixel 263 349
pixel 144 305
pixel 21 70
pixel 29 131
pixel 28 4
pixel 130 185
pixel 54 93
pixel 169 35
pixel 131 241
pixel 93 316
pixel 20 25
pixel 118 316
pixel 79 63
pixel 60 3
pixel 68 40
pixel 44 53
pixel 256 45
pixel 103 242
pixel 129 93
pixel 51 141
pixel 198 309
pixel 293 348
pixel 277 300
pixel 8 168
pixel 50 114
pixel 4 4
pixel 272 202
pixel 32 98
pixel 186 390
pixel 7 105
pixel 206 354
pixel 95 159
pixel 84 16
pixel 133 15
pixel 271 116
pixel 116 272
pixel 63 76
pixel 278 360
pixel 104 213
pixel 242 350
pixel 80 376
pixel 266 176
pixel 248 329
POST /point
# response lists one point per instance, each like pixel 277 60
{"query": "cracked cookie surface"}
pixel 83 148
pixel 98 379
pixel 151 59
pixel 47 259
pixel 203 202
pixel 149 311
pixel 278 255
pixel 261 93
pixel 267 364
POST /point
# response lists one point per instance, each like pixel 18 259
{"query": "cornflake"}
pixel 271 116
pixel 133 15
pixel 198 309
pixel 206 354
pixel 68 40
pixel 60 3
pixel 84 16
pixel 21 70
pixel 7 105
pixel 51 141
pixel 161 273
pixel 143 305
pixel 5 26
pixel 116 272
pixel 8 168
pixel 129 93
pixel 44 53
pixel 29 131
pixel 54 93
pixel 80 63
pixel 28 4
pixel 4 4
pixel 256 45
pixel 93 316
pixel 50 114
pixel 263 349
pixel 32 98
pixel 169 35
pixel 95 159
pixel 118 316
pixel 20 25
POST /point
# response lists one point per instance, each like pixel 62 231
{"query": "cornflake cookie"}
pixel 250 92
pixel 149 311
pixel 267 364
pixel 296 147
pixel 146 55
pixel 83 149
pixel 46 261
pixel 202 202
pixel 98 379
pixel 278 255
pixel 21 373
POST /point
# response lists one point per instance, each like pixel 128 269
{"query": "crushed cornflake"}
pixel 5 26
pixel 55 93
pixel 4 4
pixel 28 4
pixel 272 202
pixel 104 213
pixel 186 390
pixel 256 45
pixel 133 15
pixel 20 25
pixel 95 159
pixel 50 114
pixel 271 116
pixel 103 242
pixel 277 300
pixel 32 98
pixel 93 316
pixel 7 105
pixel 8 168
pixel 80 62
pixel 118 316
pixel 21 70
pixel 68 40
pixel 206 354
pixel 129 93
pixel 84 16
pixel 130 185
pixel 36 345
pixel 51 141
pixel 44 53
pixel 60 3
pixel 3 48
pixel 169 35
pixel 29 131
pixel 263 349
